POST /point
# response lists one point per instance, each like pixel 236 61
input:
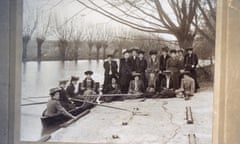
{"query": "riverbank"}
pixel 165 122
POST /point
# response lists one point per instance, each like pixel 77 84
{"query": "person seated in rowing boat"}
pixel 112 88
pixel 54 107
pixel 136 85
pixel 167 90
pixel 64 100
pixel 187 85
pixel 72 90
pixel 88 85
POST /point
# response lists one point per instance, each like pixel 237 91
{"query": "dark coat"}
pixel 133 63
pixel 174 65
pixel 112 90
pixel 125 74
pixel 190 60
pixel 190 63
pixel 164 83
pixel 153 66
pixel 113 66
pixel 63 98
pixel 141 65
pixel 85 86
pixel 107 76
pixel 163 62
pixel 71 90
pixel 140 86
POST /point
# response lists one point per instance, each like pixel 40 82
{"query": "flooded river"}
pixel 38 78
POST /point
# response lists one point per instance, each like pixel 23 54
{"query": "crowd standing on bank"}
pixel 171 73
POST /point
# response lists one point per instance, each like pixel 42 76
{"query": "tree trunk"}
pixel 90 45
pixel 62 51
pixel 185 41
pixel 98 52
pixel 105 46
pixel 39 49
pixel 26 40
pixel 98 46
pixel 24 53
pixel 76 53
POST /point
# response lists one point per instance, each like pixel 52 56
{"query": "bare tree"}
pixel 150 16
pixel 41 33
pixel 89 34
pixel 206 23
pixel 64 35
pixel 29 27
pixel 77 38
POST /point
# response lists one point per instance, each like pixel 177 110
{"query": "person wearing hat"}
pixel 190 64
pixel 162 63
pixel 187 84
pixel 54 106
pixel 136 85
pixel 153 63
pixel 110 66
pixel 88 84
pixel 173 64
pixel 134 58
pixel 111 88
pixel 72 89
pixel 180 56
pixel 167 90
pixel 125 72
pixel 142 66
pixel 64 100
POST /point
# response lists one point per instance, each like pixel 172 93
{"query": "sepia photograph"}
pixel 118 71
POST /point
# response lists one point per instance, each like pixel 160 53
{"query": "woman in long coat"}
pixel 174 65
pixel 153 63
pixel 125 72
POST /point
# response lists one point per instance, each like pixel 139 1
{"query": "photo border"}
pixel 10 78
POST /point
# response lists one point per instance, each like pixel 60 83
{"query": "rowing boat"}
pixel 60 118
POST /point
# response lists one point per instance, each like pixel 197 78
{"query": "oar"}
pixel 118 108
pixel 37 103
pixel 95 95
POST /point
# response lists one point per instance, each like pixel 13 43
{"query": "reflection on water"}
pixel 38 78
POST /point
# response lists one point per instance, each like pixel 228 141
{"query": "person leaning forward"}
pixel 54 107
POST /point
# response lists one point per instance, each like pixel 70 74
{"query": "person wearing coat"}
pixel 54 106
pixel 64 100
pixel 173 65
pixel 125 72
pixel 167 85
pixel 190 63
pixel 111 70
pixel 88 84
pixel 163 63
pixel 133 59
pixel 142 66
pixel 152 64
pixel 112 88
pixel 136 86
pixel 72 87
pixel 187 84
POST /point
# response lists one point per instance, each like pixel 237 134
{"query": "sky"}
pixel 67 10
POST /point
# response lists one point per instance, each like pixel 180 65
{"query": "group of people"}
pixel 172 73
pixel 61 96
